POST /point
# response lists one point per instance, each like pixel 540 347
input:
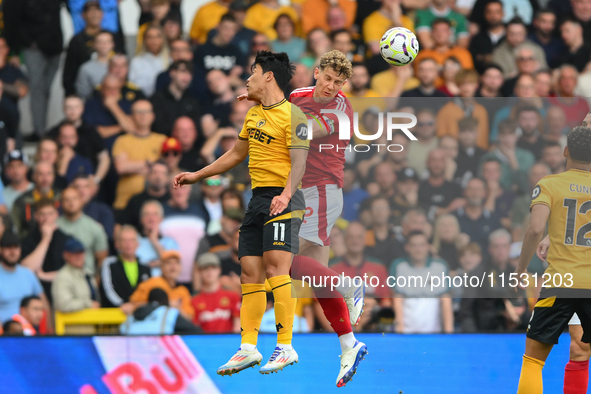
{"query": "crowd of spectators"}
pixel 91 220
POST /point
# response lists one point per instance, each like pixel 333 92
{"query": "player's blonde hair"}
pixel 338 62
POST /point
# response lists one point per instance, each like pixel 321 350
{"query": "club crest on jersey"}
pixel 302 131
pixel 261 123
pixel 536 192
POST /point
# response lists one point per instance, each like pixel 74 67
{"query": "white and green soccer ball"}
pixel 399 46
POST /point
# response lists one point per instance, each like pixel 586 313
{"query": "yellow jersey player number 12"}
pixel 563 202
pixel 275 138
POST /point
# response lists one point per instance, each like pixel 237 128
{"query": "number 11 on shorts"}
pixel 277 227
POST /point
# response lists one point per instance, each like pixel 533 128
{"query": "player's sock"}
pixel 530 381
pixel 576 377
pixel 254 302
pixel 283 346
pixel 285 306
pixel 347 341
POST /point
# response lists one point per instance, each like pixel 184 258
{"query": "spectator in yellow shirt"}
pixel 261 17
pixel 178 295
pixel 206 18
pixel 378 22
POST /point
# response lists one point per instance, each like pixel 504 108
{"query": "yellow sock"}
pixel 530 381
pixel 254 303
pixel 284 308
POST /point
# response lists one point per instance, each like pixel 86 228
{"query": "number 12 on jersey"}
pixel 279 231
pixel 571 217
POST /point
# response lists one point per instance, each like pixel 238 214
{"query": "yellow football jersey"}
pixel 268 131
pixel 568 195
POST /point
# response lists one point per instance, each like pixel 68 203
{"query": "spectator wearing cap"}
pixel 178 295
pixel 469 154
pixel 14 82
pixel 207 18
pixel 92 72
pixel 353 195
pixel 31 315
pixel 152 243
pixel 157 317
pixel 134 153
pixel 171 154
pixel 157 184
pixel 176 100
pixel 42 248
pixel 122 273
pixel 23 209
pixel 109 20
pixel 420 309
pixel 217 310
pixel 81 46
pixel 16 281
pixel 407 194
pixel 74 288
pixel 426 133
pixel 70 163
pixel 35 29
pixel 76 223
pixel 15 171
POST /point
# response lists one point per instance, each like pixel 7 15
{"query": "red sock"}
pixel 576 377
pixel 331 301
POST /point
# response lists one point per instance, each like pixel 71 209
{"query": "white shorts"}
pixel 324 205
pixel 574 321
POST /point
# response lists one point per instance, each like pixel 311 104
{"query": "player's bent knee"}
pixel 579 351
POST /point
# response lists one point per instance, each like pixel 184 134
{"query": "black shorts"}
pixel 554 309
pixel 261 232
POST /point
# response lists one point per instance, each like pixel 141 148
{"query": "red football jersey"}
pixel 324 167
pixel 215 312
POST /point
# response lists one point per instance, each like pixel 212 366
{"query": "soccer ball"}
pixel 399 46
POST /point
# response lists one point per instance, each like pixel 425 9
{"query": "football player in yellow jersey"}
pixel 564 202
pixel 275 137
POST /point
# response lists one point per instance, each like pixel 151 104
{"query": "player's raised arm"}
pixel 533 235
pixel 226 162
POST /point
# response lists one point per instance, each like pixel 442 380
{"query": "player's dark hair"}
pixel 278 64
pixel 578 141
pixel 27 300
pixel 437 21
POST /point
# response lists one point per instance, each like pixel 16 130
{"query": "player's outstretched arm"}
pixel 533 235
pixel 226 162
pixel 298 167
